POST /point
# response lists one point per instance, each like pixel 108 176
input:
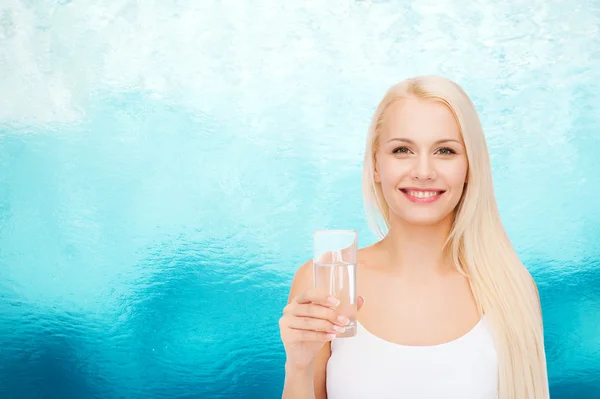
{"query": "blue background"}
pixel 164 164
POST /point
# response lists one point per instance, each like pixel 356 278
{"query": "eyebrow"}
pixel 412 142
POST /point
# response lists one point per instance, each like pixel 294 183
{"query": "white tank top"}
pixel 368 367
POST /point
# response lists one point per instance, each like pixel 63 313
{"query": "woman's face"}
pixel 421 161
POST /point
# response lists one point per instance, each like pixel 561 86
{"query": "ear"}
pixel 360 302
pixel 376 176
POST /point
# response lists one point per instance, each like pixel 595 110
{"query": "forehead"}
pixel 420 120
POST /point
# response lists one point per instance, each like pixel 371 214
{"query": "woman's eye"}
pixel 406 150
pixel 400 150
pixel 447 151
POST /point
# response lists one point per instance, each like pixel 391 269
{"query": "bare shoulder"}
pixel 303 279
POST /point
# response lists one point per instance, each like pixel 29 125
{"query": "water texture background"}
pixel 163 165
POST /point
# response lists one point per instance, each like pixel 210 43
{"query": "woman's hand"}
pixel 308 322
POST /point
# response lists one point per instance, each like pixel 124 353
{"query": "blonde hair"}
pixel 480 248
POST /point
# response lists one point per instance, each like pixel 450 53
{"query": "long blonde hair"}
pixel 480 248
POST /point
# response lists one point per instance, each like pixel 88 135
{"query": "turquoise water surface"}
pixel 163 165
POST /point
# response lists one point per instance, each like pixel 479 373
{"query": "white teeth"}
pixel 423 194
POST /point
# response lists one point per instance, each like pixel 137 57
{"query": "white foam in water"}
pixel 251 56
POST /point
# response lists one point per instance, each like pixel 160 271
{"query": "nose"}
pixel 423 169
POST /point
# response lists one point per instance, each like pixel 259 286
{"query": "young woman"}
pixel 446 309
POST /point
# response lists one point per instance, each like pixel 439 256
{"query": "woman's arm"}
pixel 306 383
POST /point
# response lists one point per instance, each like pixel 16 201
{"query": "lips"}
pixel 422 196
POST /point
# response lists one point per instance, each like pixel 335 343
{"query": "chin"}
pixel 422 221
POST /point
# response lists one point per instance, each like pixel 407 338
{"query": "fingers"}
pixel 291 334
pixel 314 296
pixel 306 335
pixel 312 316
pixel 320 325
pixel 318 312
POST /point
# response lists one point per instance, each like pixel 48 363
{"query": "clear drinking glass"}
pixel 334 271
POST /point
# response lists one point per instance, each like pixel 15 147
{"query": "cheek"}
pixel 390 170
pixel 457 176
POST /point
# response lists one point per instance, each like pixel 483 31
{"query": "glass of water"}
pixel 334 272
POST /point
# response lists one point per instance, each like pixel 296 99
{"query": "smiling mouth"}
pixel 422 196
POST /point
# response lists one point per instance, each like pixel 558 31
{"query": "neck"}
pixel 415 251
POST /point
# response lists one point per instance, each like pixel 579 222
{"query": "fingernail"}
pixel 339 329
pixel 344 320
pixel 333 301
pixel 330 337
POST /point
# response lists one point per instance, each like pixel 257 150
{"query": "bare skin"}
pixel 437 309
pixel 412 293
pixel 426 310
